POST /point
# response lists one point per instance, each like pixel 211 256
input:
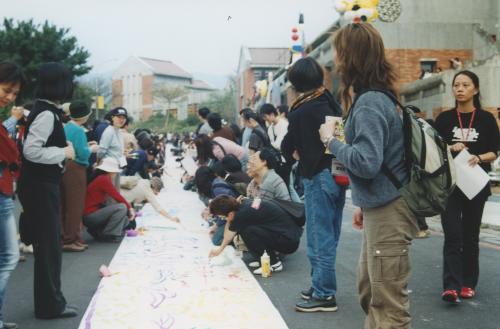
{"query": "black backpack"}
pixel 295 209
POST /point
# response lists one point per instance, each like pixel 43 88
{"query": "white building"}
pixel 135 80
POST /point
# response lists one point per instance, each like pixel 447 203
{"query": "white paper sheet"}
pixel 189 165
pixel 471 180
pixel 165 280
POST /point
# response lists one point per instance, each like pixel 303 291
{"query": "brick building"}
pixel 254 65
pixel 426 36
pixel 134 81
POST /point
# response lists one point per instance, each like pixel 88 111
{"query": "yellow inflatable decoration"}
pixel 357 11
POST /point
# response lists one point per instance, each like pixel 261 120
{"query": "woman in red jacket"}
pixel 105 221
pixel 11 80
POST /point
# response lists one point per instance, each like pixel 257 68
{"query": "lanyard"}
pixel 466 137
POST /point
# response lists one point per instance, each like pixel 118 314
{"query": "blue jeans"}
pixel 9 250
pixel 324 202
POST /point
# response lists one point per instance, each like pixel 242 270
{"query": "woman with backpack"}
pixel 215 149
pixel 373 138
pixel 465 127
pixel 264 227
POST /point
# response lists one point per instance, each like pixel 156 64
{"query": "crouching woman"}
pixel 105 220
pixel 264 226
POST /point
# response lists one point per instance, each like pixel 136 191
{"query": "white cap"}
pixel 109 165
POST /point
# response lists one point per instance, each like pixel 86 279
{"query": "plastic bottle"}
pixel 265 263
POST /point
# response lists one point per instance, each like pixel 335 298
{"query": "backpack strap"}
pixel 219 145
pixel 385 169
pixel 266 141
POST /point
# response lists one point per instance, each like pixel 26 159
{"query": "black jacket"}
pixel 303 134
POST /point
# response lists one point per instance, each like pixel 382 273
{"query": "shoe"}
pixel 307 294
pixel 328 304
pixel 73 247
pixel 9 325
pixel 82 244
pixel 68 312
pixel 254 264
pixel 451 297
pixel 276 267
pixel 467 293
pixel 22 258
pixel 423 234
pixel 26 249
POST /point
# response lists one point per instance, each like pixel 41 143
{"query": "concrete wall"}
pixel 128 82
pixel 444 24
pixel 435 94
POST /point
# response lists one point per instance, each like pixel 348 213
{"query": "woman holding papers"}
pixel 466 127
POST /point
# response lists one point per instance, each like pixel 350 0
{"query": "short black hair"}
pixel 203 112
pixel 248 115
pixel 231 163
pixel 245 110
pixel 306 75
pixel 214 121
pixel 268 155
pixel 54 82
pixel 268 109
pixel 218 169
pixel 11 73
pixel 203 179
pixel 283 109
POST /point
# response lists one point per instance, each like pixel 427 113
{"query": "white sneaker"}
pixel 254 264
pixel 276 267
pixel 26 249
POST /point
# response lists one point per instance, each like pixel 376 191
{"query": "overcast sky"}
pixel 195 34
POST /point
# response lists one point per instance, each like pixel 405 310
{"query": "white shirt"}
pixel 277 132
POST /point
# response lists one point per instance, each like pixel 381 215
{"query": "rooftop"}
pixel 168 68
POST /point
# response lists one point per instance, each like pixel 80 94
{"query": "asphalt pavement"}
pixel 80 279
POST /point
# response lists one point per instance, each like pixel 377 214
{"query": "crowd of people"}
pixel 261 180
pixel 69 176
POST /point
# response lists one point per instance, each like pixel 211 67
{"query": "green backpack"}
pixel 428 160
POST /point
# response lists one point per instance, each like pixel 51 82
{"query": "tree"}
pixel 223 101
pixel 29 45
pixel 164 93
pixel 87 90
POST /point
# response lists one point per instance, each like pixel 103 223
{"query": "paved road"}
pixel 80 280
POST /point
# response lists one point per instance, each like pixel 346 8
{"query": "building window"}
pixel 428 65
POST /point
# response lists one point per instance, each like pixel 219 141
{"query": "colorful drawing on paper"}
pixel 164 279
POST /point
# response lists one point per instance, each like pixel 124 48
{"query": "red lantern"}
pixel 295 37
pixel 294 30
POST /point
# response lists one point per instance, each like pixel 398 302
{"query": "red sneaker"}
pixel 467 292
pixel 450 296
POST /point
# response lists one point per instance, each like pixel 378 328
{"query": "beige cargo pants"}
pixel 384 265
